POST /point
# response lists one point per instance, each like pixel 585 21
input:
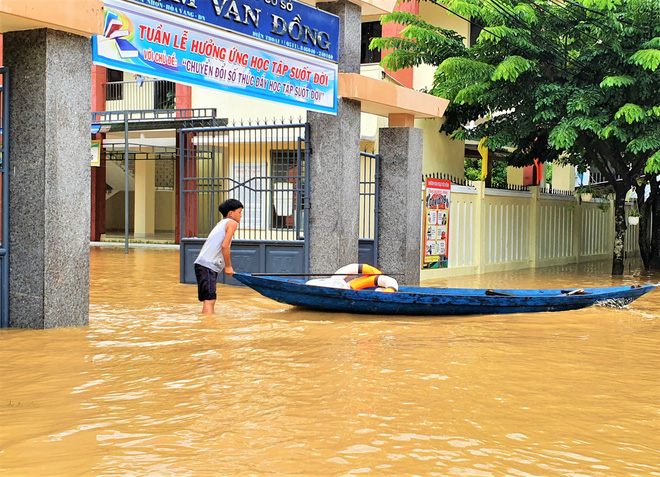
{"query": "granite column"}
pixel 400 214
pixel 334 168
pixel 49 224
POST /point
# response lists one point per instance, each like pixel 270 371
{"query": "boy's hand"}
pixel 229 271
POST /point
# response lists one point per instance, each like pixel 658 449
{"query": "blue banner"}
pixel 286 23
pixel 151 43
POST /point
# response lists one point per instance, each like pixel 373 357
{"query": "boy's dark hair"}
pixel 229 205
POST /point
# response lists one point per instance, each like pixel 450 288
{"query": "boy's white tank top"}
pixel 210 256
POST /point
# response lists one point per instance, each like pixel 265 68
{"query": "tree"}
pixel 574 77
pixel 472 167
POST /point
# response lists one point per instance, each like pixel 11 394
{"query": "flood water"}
pixel 152 387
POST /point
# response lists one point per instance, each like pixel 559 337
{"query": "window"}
pixel 284 172
pixel 370 30
pixel 475 30
pixel 164 94
pixel 114 89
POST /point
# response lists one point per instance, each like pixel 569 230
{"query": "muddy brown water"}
pixel 152 387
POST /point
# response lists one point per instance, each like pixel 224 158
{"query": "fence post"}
pixel 480 234
pixel 577 230
pixel 534 224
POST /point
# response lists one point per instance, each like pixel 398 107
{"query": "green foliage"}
pixel 655 110
pixel 470 71
pixel 568 74
pixel 471 93
pixel 495 34
pixel 526 13
pixel 420 42
pixel 617 81
pixel 648 59
pixel 653 164
pixel 644 144
pixel 468 9
pixel 586 123
pixel 563 135
pixel 602 4
pixel 511 68
pixel 653 43
pixel 630 112
pixel 473 171
pixel 582 100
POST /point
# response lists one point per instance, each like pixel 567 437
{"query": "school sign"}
pixel 278 50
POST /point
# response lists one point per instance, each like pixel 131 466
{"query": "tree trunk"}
pixel 654 198
pixel 645 209
pixel 619 229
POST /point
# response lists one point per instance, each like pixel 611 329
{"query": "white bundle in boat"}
pixel 332 282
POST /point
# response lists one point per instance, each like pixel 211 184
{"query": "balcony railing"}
pixel 143 94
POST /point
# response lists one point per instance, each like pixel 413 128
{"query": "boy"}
pixel 216 254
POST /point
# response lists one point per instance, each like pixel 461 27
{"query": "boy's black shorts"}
pixel 206 283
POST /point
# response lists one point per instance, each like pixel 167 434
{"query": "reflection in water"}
pixel 154 387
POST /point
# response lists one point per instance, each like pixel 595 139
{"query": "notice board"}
pixel 435 240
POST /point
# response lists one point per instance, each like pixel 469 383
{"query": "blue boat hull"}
pixel 436 301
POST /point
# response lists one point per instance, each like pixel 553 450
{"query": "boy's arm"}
pixel 230 228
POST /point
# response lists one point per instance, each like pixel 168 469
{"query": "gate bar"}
pixel 126 184
pixel 376 210
pixel 307 206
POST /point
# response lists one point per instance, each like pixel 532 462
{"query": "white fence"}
pixel 494 230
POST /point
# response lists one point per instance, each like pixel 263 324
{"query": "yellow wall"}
pixel 515 175
pixel 435 15
pixel 563 177
pixel 441 153
pixel 370 123
pixel 236 107
pixel 165 211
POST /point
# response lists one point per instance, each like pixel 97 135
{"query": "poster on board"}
pixel 96 153
pixel 435 241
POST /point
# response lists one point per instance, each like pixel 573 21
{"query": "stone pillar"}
pixel 400 215
pixel 334 168
pixel 49 201
pixel 145 197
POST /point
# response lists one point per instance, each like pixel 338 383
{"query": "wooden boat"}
pixel 437 301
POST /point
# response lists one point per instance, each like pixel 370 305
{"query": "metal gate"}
pixel 4 198
pixel 369 207
pixel 263 166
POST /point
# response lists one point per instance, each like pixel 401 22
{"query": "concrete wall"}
pixel 496 230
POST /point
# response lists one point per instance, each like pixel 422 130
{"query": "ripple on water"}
pixel 152 387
